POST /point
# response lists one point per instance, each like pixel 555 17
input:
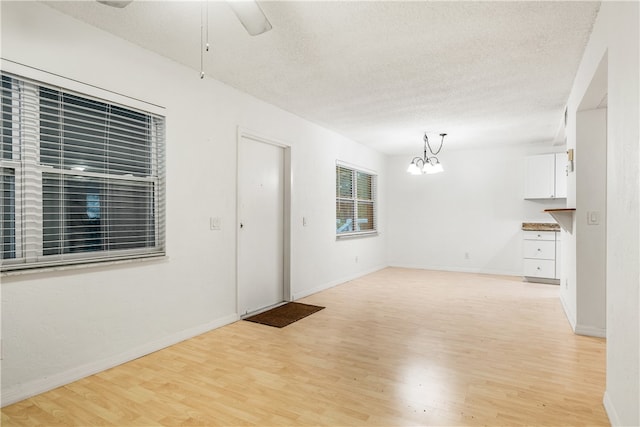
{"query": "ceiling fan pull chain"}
pixel 207 23
pixel 201 41
pixel 204 33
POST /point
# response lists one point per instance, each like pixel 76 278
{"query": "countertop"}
pixel 540 226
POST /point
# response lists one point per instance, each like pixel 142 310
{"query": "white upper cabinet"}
pixel 561 175
pixel 540 178
pixel 546 176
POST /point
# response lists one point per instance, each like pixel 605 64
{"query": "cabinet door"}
pixel 561 175
pixel 540 178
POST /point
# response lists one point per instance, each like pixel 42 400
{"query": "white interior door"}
pixel 261 225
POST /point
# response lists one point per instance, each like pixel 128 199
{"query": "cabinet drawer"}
pixel 542 249
pixel 539 268
pixel 540 235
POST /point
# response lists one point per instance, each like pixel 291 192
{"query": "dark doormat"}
pixel 285 314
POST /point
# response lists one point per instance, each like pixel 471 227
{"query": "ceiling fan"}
pixel 248 12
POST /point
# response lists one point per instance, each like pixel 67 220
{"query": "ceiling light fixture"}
pixel 427 164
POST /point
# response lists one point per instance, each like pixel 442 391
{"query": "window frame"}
pixel 28 226
pixel 14 164
pixel 355 170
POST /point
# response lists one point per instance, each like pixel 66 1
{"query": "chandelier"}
pixel 427 164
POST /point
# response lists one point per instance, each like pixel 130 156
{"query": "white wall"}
pixel 62 325
pixel 616 35
pixel 583 281
pixel 475 206
pixel 590 239
pixel 583 290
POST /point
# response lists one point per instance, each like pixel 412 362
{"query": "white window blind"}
pixel 82 179
pixel 355 202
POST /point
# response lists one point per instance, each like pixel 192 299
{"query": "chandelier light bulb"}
pixel 414 169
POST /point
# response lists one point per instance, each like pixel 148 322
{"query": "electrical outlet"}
pixel 466 255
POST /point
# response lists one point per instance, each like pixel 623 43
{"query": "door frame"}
pixel 286 238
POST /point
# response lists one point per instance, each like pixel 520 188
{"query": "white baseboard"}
pixel 541 280
pixel 297 295
pixel 460 269
pixel 23 391
pixel 614 419
pixel 569 315
pixel 590 331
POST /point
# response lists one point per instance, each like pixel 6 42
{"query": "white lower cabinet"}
pixel 540 250
pixel 543 268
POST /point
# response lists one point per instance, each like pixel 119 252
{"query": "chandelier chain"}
pixel 426 141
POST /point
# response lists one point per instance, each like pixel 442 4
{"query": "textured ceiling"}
pixel 383 72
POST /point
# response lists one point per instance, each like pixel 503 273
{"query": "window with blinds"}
pixel 355 202
pixel 81 179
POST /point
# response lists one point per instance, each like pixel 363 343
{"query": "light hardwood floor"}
pixel 397 347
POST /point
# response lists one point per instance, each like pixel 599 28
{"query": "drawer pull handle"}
pixel 537 268
pixel 539 235
pixel 538 249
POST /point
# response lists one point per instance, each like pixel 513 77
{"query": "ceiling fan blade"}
pixel 251 16
pixel 115 3
pixel 248 12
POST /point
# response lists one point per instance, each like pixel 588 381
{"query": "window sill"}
pixel 347 236
pixel 81 266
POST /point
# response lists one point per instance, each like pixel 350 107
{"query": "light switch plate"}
pixel 214 223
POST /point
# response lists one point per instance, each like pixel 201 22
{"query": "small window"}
pixel 355 202
pixel 81 179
